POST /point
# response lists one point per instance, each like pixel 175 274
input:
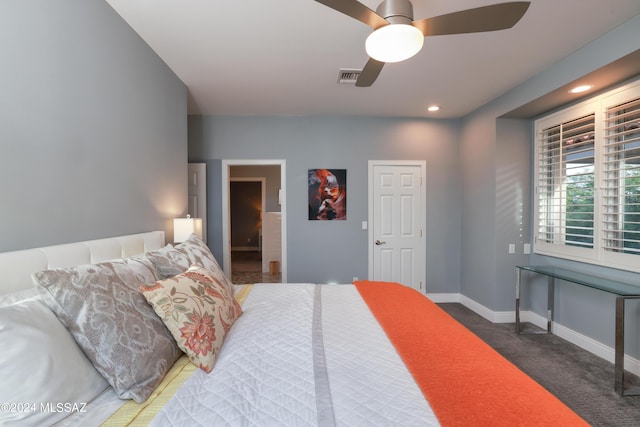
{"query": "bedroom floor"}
pixel 246 267
pixel 583 381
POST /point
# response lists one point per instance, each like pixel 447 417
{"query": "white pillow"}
pixel 19 296
pixel 40 363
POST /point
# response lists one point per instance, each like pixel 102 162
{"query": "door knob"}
pixel 380 242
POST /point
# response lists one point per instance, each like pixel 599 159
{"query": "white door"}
pixel 197 190
pixel 396 221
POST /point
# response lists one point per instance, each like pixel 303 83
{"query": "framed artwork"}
pixel 327 194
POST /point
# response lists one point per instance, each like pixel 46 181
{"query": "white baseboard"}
pixel 492 316
pixel 599 349
pixel 443 298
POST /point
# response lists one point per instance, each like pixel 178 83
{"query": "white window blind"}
pixel 565 183
pixel 587 181
pixel 621 178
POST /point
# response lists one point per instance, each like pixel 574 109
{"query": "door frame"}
pixel 226 219
pixel 423 214
pixel 200 178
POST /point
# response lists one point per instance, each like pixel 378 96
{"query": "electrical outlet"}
pixel 512 248
pixel 527 248
pixel 355 279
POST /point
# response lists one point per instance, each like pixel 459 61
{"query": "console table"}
pixel 623 291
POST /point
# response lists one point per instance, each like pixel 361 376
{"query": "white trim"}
pixel 226 243
pixel 444 298
pixel 490 315
pixel 200 170
pixel 423 222
pixel 595 347
pixel 599 349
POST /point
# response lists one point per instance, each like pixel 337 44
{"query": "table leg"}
pixel 619 346
pixel 619 350
pixel 550 301
pixel 518 279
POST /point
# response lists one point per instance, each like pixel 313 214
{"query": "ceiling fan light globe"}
pixel 394 43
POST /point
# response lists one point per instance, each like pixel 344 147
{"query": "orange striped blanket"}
pixel 466 382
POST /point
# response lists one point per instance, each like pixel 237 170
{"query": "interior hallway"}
pixel 246 268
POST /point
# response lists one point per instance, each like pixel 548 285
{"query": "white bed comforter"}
pixel 302 355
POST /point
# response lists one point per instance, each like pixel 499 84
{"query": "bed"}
pixel 130 331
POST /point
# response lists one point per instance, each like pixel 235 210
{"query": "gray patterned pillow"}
pixel 168 262
pixel 103 308
pixel 171 261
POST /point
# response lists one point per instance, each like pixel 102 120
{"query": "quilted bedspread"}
pixel 302 355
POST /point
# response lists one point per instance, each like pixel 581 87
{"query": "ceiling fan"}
pixel 397 36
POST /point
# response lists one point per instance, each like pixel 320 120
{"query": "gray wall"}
pixel 495 161
pixel 495 208
pixel 93 127
pixel 324 251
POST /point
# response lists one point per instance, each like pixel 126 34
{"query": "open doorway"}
pixel 254 220
pixel 247 202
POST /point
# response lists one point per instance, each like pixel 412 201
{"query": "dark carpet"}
pixel 583 381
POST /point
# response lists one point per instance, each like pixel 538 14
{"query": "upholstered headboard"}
pixel 16 267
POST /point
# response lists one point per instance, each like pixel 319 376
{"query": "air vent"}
pixel 348 75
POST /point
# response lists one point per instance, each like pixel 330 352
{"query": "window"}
pixel 587 181
pixel 565 183
pixel 621 181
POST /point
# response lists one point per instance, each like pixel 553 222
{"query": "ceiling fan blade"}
pixel 369 73
pixel 356 10
pixel 487 18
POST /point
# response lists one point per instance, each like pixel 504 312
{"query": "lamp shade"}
pixel 184 227
pixel 394 43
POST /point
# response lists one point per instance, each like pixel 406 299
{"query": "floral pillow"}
pixel 197 310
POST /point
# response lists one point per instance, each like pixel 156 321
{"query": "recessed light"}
pixel 580 89
pixel 433 108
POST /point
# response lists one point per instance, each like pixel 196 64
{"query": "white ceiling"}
pixel 281 57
